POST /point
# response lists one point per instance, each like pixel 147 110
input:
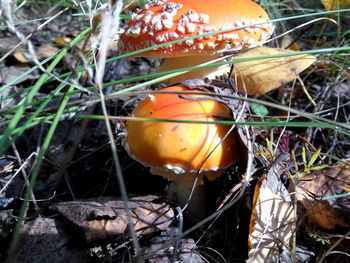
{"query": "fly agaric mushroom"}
pixel 181 151
pixel 163 21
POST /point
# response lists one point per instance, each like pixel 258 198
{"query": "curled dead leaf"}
pixel 323 195
pixel 260 76
pixel 105 218
pixel 273 221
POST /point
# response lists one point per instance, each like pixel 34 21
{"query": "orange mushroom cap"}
pixel 172 148
pixel 162 21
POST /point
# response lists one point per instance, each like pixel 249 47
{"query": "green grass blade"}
pixel 4 138
pixel 34 175
pixel 39 110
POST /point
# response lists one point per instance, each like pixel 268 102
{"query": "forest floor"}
pixel 66 178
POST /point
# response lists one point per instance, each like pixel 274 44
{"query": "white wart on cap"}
pixel 162 21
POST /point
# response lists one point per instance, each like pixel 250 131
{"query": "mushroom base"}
pixel 191 198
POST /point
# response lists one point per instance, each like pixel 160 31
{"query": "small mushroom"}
pixel 182 151
pixel 164 21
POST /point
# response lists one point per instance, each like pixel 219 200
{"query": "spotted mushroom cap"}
pixel 162 21
pixel 171 148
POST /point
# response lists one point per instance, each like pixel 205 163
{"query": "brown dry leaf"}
pixel 44 240
pixel 42 52
pixel 324 184
pixel 9 73
pixel 7 43
pixel 336 4
pixel 261 76
pixel 273 220
pixel 156 253
pixel 46 51
pixel 105 218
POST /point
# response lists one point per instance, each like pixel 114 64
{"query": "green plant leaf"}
pixel 259 109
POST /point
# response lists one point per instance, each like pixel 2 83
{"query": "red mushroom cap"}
pixel 167 20
pixel 171 148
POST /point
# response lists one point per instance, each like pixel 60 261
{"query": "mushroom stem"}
pixel 191 61
pixel 191 196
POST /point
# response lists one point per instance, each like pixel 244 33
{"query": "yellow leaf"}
pixel 345 188
pixel 336 4
pixel 261 76
pixel 62 42
pixel 20 56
